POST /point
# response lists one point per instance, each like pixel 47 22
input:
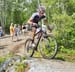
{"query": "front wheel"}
pixel 29 49
pixel 48 47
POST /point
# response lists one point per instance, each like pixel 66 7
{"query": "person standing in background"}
pixel 16 31
pixel 11 31
pixel 19 29
pixel 1 32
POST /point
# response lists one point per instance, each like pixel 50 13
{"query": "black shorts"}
pixel 36 26
pixel 30 26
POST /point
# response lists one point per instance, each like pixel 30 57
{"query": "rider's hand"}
pixel 34 24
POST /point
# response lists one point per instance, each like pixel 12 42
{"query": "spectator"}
pixel 19 29
pixel 16 30
pixel 11 30
pixel 1 32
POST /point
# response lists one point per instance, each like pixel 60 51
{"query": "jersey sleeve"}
pixel 33 15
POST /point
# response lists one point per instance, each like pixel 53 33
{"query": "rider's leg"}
pixel 32 35
pixel 33 32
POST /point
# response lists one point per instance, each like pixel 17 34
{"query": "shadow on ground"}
pixel 2 47
pixel 59 58
pixel 56 58
pixel 18 40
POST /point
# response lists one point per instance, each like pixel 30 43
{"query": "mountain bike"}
pixel 46 43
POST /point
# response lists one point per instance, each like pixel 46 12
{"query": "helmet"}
pixel 42 8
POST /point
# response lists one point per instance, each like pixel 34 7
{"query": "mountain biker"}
pixel 35 18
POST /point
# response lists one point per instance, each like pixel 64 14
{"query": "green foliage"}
pixel 7 26
pixel 64 29
pixel 2 59
pixel 59 12
pixel 16 16
pixel 71 7
pixel 20 67
pixel 66 54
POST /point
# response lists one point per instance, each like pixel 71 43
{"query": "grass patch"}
pixel 37 54
pixel 2 59
pixel 66 55
pixel 20 67
pixel 63 54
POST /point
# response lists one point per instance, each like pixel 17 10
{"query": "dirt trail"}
pixel 35 64
pixel 6 45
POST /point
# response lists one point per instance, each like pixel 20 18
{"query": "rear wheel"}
pixel 48 47
pixel 29 49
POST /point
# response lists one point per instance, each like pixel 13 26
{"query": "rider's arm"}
pixel 30 21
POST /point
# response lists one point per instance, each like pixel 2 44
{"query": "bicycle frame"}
pixel 48 42
pixel 40 33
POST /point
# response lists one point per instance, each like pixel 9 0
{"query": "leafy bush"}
pixel 20 67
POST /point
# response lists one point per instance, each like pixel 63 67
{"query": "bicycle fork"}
pixel 39 37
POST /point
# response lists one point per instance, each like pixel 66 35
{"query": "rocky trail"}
pixel 36 64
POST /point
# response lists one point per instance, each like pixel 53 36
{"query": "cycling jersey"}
pixel 36 17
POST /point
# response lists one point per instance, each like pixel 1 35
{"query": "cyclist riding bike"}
pixel 35 18
pixel 40 39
